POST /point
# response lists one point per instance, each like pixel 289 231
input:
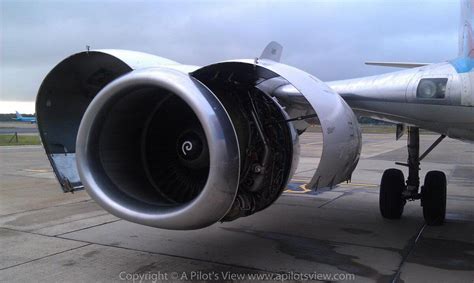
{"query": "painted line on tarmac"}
pixel 300 187
pixel 303 188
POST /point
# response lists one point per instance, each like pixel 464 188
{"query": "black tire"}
pixel 391 202
pixel 433 198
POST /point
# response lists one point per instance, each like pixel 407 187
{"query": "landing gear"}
pixel 433 198
pixel 394 193
pixel 391 200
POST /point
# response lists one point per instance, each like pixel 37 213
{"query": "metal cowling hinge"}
pixel 68 187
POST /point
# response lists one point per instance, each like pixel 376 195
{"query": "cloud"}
pixel 330 39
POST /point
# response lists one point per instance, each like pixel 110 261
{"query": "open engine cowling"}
pixel 181 147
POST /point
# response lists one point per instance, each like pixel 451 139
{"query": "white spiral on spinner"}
pixel 186 147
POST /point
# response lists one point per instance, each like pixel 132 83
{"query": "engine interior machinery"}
pixel 181 147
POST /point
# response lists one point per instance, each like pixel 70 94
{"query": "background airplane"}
pixel 181 147
pixel 20 118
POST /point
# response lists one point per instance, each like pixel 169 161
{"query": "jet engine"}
pixel 181 147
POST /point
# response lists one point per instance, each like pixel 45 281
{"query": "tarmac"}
pixel 338 235
pixel 17 127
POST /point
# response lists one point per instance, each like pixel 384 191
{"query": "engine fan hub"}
pixel 192 149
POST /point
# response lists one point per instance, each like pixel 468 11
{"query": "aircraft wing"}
pixel 397 64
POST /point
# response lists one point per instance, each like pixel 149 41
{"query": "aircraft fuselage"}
pixel 437 97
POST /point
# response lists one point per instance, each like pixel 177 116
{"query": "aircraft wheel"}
pixel 433 198
pixel 390 200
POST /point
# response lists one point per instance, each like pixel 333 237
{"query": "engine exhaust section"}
pixel 169 145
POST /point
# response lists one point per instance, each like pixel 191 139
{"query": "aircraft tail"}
pixel 466 43
pixel 18 115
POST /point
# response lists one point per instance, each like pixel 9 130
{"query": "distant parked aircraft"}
pixel 20 118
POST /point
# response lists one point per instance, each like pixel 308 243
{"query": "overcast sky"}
pixel 330 39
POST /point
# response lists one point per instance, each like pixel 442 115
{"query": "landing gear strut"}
pixel 394 193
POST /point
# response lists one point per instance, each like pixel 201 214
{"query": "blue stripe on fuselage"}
pixel 462 64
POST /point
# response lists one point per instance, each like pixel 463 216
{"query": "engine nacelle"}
pixel 157 147
pixel 181 147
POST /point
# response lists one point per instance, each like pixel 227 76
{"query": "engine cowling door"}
pixel 341 132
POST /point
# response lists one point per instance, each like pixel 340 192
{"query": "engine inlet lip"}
pixel 218 194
